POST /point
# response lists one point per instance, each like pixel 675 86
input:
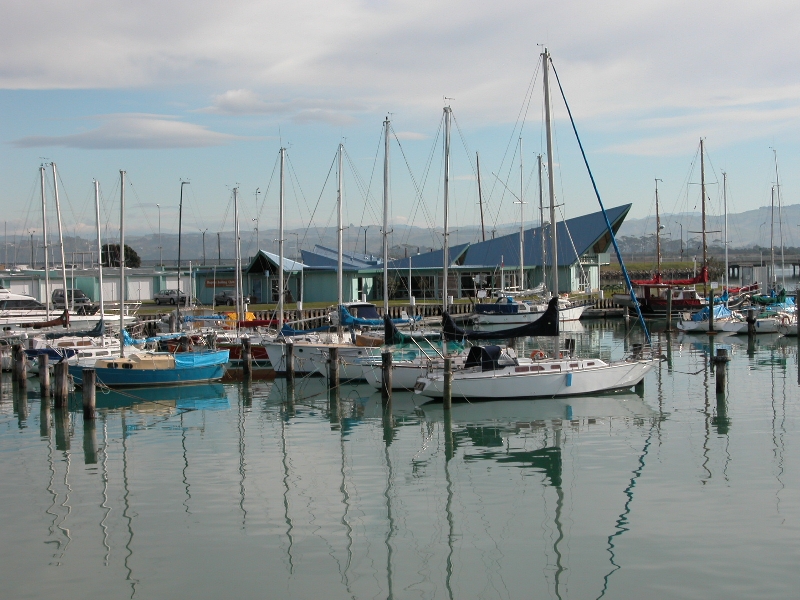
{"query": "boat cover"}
pixel 485 357
pixel 97 331
pixel 546 325
pixel 720 312
pixel 372 320
pixel 190 360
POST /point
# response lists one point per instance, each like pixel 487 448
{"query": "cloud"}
pixel 320 115
pixel 411 135
pixel 134 131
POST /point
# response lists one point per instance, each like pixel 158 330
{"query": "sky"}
pixel 209 92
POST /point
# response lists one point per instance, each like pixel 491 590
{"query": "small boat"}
pixel 148 369
pixel 508 312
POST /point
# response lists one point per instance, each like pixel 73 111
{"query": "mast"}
pixel 280 239
pixel 46 256
pixel 550 181
pixel 658 234
pixel 121 264
pixel 99 254
pixel 386 126
pixel 703 205
pixel 725 228
pixel 60 238
pixel 339 247
pixel 773 275
pixel 180 225
pixel 541 217
pixel 521 221
pixel 446 246
pixel 237 256
pixel 480 195
pixel 780 217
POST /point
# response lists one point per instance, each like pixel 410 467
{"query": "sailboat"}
pixel 492 372
pixel 143 368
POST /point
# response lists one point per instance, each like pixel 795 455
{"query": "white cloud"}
pixel 411 135
pixel 133 131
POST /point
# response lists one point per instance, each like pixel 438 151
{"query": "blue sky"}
pixel 208 91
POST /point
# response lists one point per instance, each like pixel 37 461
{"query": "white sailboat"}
pixel 494 372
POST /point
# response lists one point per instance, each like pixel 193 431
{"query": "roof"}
pixel 430 260
pixel 588 233
pixel 266 261
pixel 326 258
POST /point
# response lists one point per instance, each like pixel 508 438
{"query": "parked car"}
pixel 228 297
pixel 169 297
pixel 75 298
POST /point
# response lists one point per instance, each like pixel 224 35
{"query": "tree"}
pixel 111 256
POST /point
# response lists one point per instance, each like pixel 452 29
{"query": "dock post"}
pixel 386 375
pixel 44 374
pixel 15 363
pixel 711 313
pixel 288 357
pixel 333 368
pixel 173 321
pixel 751 322
pixel 447 397
pixel 720 360
pixel 61 384
pixel 88 392
pixel 247 358
pixel 21 366
pixel 669 310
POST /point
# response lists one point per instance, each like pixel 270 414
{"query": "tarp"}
pixel 190 360
pixel 546 325
pixel 348 320
pixel 129 341
pixel 720 311
pixel 485 357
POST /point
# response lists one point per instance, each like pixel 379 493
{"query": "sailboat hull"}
pixel 558 379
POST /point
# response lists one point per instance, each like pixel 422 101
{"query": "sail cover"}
pixel 546 325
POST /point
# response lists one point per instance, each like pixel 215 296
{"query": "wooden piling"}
pixel 247 358
pixel 21 361
pixel 669 310
pixel 88 390
pixel 60 384
pixel 720 360
pixel 333 368
pixel 288 357
pixel 44 374
pixel 15 350
pixel 447 397
pixel 751 322
pixel 711 313
pixel 386 375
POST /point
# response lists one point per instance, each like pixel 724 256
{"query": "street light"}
pixel 255 220
pixel 365 238
pixel 681 226
pixel 204 245
pixel 32 231
pixel 160 247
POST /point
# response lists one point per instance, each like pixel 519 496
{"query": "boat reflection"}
pixel 210 396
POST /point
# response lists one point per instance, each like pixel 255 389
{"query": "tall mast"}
pixel 725 228
pixel 280 239
pixel 780 217
pixel 386 126
pixel 60 237
pixel 339 242
pixel 550 181
pixel 446 246
pixel 480 195
pixel 658 234
pixel 46 256
pixel 237 256
pixel 703 205
pixel 99 254
pixel 180 225
pixel 773 275
pixel 541 217
pixel 122 263
pixel 521 220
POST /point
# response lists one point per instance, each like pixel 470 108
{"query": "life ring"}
pixel 538 355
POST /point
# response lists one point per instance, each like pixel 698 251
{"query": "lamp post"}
pixel 365 239
pixel 681 226
pixel 255 220
pixel 32 259
pixel 204 245
pixel 219 250
pixel 160 247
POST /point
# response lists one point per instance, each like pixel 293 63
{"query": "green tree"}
pixel 111 256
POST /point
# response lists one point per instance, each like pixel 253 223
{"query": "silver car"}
pixel 169 297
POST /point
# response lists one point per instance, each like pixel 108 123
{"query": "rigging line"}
pixel 361 186
pixel 227 212
pixel 269 185
pixel 66 195
pixel 528 94
pixel 139 202
pixel 572 243
pixel 316 207
pixel 605 215
pixel 372 175
pixel 417 188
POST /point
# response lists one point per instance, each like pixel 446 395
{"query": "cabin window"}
pixel 555 367
pixel 127 366
pixel 537 368
pixel 574 365
pixel 590 364
pixel 521 369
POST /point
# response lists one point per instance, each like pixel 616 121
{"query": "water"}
pixel 223 491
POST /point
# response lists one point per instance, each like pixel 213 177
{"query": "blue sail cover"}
pixel 129 341
pixel 720 312
pixel 192 360
pixel 348 320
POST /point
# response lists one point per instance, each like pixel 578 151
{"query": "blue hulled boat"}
pixel 156 369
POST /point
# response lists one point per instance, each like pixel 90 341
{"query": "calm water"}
pixel 227 492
